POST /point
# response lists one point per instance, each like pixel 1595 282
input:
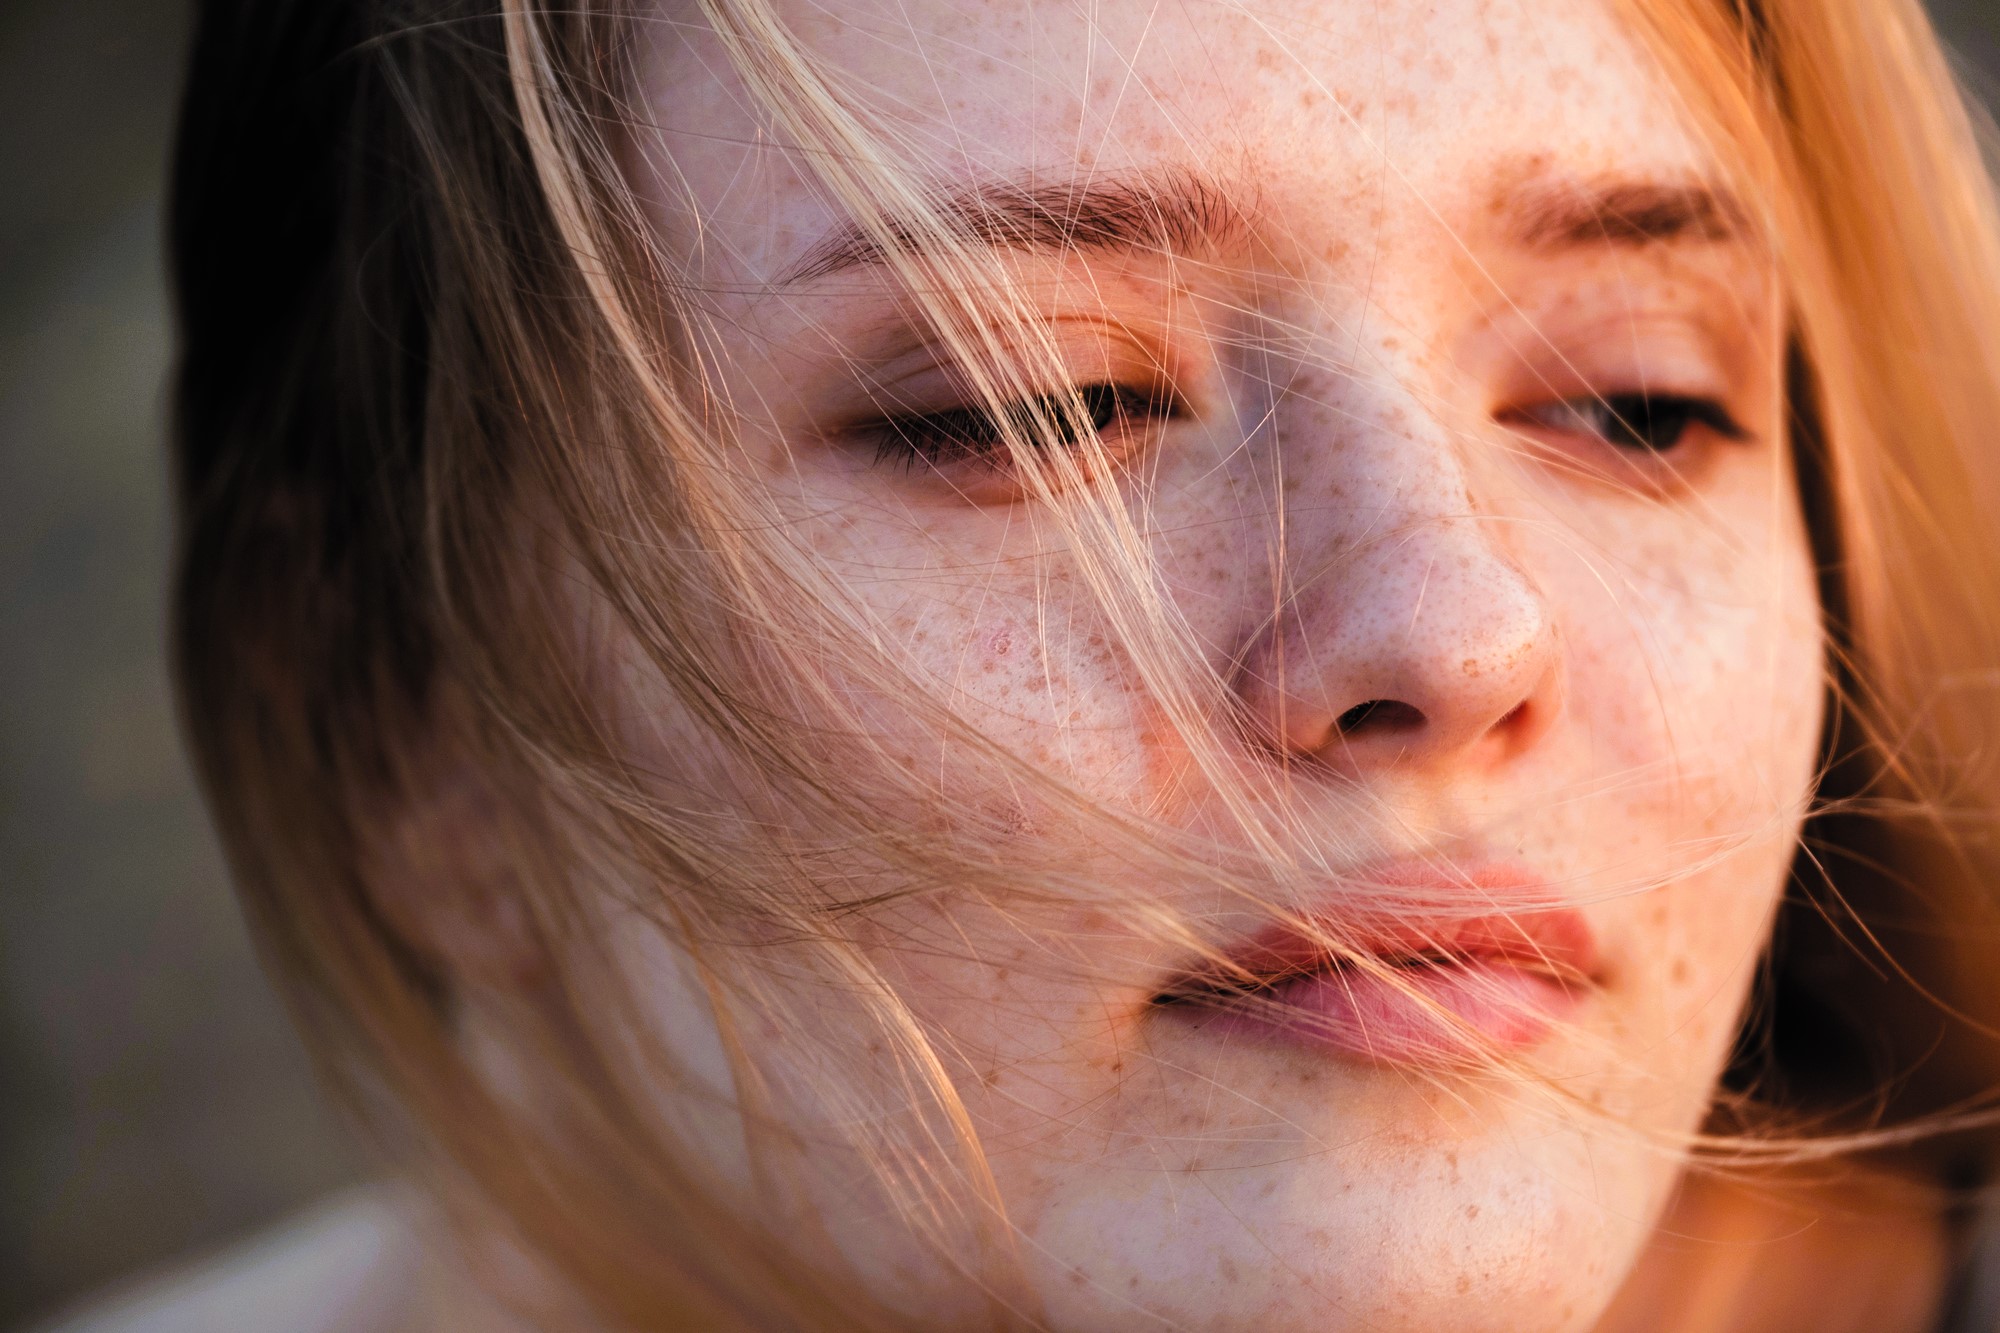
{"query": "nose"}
pixel 1422 645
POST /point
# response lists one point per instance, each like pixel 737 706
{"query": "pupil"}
pixel 1639 422
pixel 971 432
pixel 1102 406
pixel 1102 400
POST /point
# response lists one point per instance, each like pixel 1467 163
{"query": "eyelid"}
pixel 966 446
pixel 945 391
pixel 1129 357
pixel 1627 409
pixel 1592 458
pixel 1090 350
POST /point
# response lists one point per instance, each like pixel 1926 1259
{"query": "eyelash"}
pixel 1633 422
pixel 973 434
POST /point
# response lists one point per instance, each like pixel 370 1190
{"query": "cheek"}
pixel 1697 686
pixel 1695 665
pixel 997 626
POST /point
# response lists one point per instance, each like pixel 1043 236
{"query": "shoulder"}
pixel 350 1265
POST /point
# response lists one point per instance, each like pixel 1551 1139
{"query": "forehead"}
pixel 1341 116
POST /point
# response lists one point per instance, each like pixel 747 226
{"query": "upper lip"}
pixel 1508 918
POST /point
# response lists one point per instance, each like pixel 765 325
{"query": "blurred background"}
pixel 152 1099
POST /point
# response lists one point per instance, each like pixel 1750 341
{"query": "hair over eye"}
pixel 977 437
pixel 874 667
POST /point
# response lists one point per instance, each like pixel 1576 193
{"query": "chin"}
pixel 1357 1224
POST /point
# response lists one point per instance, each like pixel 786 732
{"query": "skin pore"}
pixel 1454 394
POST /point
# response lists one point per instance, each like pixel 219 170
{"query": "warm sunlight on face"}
pixel 1445 379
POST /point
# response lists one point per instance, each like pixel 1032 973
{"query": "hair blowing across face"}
pixel 422 334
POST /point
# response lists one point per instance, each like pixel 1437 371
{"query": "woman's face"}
pixel 1450 377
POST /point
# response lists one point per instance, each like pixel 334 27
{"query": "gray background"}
pixel 152 1100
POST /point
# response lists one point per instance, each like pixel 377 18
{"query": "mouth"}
pixel 1422 988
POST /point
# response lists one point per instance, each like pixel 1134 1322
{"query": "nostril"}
pixel 1379 714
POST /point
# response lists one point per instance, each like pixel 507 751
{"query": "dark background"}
pixel 152 1100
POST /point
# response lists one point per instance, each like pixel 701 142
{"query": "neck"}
pixel 1821 1248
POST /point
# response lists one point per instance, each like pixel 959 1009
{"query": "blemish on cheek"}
pixel 1679 971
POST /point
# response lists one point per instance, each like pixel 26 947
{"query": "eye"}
pixel 1645 422
pixel 970 434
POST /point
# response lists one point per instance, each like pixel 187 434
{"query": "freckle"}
pixel 1228 1269
pixel 1680 970
pixel 1472 1210
pixel 1464 1283
pixel 1470 666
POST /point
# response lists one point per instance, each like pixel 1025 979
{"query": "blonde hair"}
pixel 431 350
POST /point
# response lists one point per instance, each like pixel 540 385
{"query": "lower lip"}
pixel 1437 1012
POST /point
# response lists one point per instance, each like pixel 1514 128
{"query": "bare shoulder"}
pixel 349 1265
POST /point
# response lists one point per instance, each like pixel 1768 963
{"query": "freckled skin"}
pixel 1619 676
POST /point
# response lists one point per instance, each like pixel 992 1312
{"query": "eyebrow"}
pixel 1163 212
pixel 1181 212
pixel 1623 213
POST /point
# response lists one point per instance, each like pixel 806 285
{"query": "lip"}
pixel 1425 985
